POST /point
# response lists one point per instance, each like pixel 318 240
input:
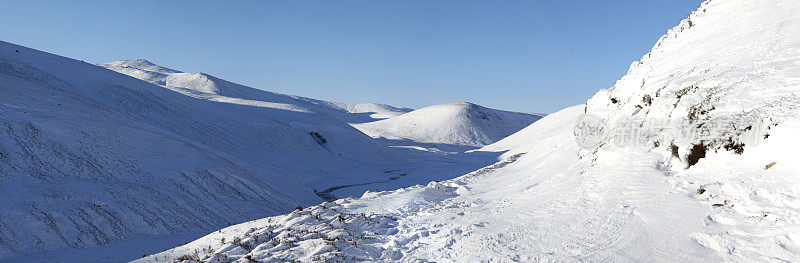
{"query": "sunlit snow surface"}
pixel 204 86
pixel 100 166
pixel 459 123
pixel 553 200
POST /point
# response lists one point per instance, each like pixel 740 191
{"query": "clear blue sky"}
pixel 532 56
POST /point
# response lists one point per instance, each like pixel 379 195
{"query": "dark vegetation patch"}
pixel 193 257
pixel 318 138
pixel 735 147
pixel 647 100
pixel 697 152
pixel 701 190
pixel 697 111
pixel 680 93
pixel 724 203
pixel 674 149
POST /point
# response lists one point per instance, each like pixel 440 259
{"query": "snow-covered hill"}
pixel 105 165
pixel 691 156
pixel 89 156
pixel 459 123
pixel 204 86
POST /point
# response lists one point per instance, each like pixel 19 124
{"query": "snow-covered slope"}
pixel 89 156
pixel 204 86
pixel 727 63
pixel 459 123
pixel 670 164
pixel 416 222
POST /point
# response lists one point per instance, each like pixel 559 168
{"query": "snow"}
pixel 89 156
pixel 730 71
pixel 695 160
pixel 362 112
pixel 204 86
pixel 460 124
pixel 419 162
pixel 111 166
pixel 531 206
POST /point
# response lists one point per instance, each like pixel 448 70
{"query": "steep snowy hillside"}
pixel 729 71
pixel 459 123
pixel 691 156
pixel 204 86
pixel 89 156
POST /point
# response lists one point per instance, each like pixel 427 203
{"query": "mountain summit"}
pixel 460 123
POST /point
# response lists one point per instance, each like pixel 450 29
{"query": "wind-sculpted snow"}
pixel 691 156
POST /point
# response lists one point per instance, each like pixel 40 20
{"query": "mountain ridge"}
pixel 205 86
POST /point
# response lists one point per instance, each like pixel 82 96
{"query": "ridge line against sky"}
pixel 528 56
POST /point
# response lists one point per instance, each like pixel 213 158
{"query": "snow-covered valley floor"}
pixel 548 204
pixel 343 182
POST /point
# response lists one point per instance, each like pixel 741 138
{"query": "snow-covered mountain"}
pixel 204 86
pixel 460 123
pixel 110 165
pixel 691 156
pixel 89 156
